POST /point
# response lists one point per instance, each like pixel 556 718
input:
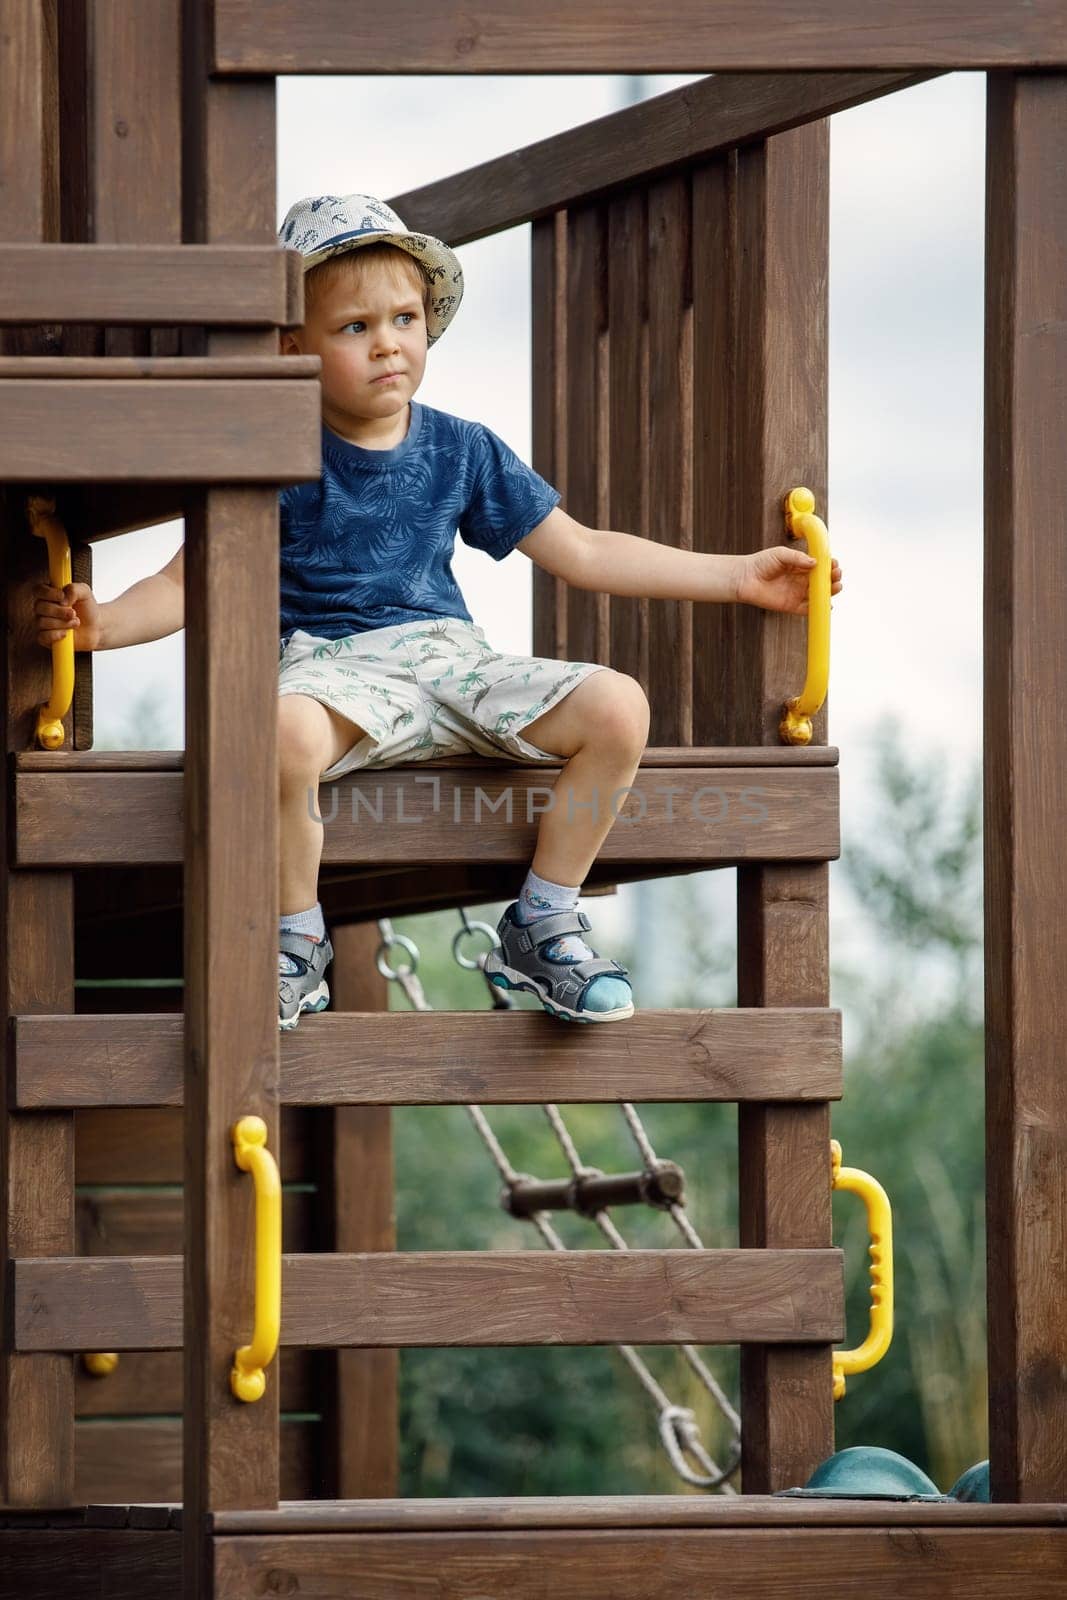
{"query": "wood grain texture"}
pixel 216 367
pixel 399 817
pixel 585 312
pixel 1025 782
pixel 407 36
pixel 195 432
pixel 360 1400
pixel 140 1459
pixel 450 1298
pixel 73 1563
pixel 241 286
pixel 632 1564
pixel 785 756
pixel 447 1058
pixel 548 410
pixel 146 1146
pixel 149 1382
pixel 626 149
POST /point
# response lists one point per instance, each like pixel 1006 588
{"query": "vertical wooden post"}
pixel 37 929
pixel 356 1170
pixel 1025 780
pixel 760 241
pixel 230 1449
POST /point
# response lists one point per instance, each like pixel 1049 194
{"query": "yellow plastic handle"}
pixel 800 523
pixel 248 1378
pixel 46 525
pixel 880 1227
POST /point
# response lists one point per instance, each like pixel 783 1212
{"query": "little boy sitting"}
pixel 380 659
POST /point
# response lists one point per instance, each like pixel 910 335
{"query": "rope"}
pixel 679 1431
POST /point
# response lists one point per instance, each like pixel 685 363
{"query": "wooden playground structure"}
pixel 679 260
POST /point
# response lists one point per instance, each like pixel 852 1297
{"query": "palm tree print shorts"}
pixel 428 689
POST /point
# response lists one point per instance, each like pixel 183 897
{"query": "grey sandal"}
pixel 304 990
pixel 562 986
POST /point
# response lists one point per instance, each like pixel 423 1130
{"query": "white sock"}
pixel 540 897
pixel 310 923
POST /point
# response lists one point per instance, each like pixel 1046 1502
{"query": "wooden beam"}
pixel 215 367
pixel 414 36
pixel 243 286
pixel 445 1298
pixel 451 1058
pixel 259 431
pixel 626 148
pixel 400 816
pixel 631 1564
pixel 1025 782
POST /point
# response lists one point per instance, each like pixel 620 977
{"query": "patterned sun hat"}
pixel 327 225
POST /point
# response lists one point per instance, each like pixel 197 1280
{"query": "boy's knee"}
pixel 622 713
pixel 303 736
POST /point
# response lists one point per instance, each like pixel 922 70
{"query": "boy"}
pixel 380 659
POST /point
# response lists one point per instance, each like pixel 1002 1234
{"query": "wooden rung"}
pixel 171 367
pixel 144 430
pixel 248 286
pixel 685 816
pixel 452 1058
pixel 445 1298
pixel 788 757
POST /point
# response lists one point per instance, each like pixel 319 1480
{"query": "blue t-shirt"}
pixel 370 543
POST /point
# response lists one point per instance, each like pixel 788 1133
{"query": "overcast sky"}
pixel 906 328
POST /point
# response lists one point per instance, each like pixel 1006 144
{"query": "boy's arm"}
pixel 149 609
pixel 620 563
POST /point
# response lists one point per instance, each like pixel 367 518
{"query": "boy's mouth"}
pixel 386 377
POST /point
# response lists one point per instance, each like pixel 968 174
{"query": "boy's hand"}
pixel 777 579
pixel 59 610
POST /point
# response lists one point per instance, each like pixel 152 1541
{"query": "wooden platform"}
pixel 641 1547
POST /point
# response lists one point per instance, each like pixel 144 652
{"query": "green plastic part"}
pixel 868 1472
pixel 973 1484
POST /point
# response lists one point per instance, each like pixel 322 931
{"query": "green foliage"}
pixel 570 1421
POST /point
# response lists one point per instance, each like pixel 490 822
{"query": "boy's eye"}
pixel 409 315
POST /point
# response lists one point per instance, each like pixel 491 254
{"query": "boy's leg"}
pixel 311 738
pixel 602 727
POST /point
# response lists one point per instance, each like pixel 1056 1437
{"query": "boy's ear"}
pixel 290 346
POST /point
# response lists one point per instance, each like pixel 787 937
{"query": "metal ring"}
pixel 394 973
pixel 473 927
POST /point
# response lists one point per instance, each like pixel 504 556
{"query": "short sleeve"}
pixel 507 501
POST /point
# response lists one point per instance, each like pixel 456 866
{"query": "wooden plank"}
pixel 149 1382
pixel 360 1403
pixel 141 1459
pixel 147 1146
pixel 628 421
pixel 116 1222
pixel 394 816
pixel 71 1564
pixel 1025 782
pixel 788 756
pixel 196 432
pixel 503 1514
pixel 584 380
pixel 775 229
pixel 364 1058
pixel 243 286
pixel 409 36
pixel 628 148
pixel 548 333
pixel 445 1298
pixel 631 1564
pixel 171 367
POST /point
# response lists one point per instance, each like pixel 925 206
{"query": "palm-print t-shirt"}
pixel 370 543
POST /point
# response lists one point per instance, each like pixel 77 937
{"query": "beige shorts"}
pixel 428 689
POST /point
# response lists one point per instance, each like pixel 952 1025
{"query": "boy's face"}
pixel 367 323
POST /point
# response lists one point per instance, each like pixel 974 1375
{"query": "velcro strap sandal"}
pixel 588 990
pixel 305 989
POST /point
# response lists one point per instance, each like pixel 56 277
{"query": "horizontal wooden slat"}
pixel 404 817
pixel 149 1382
pixel 141 1459
pixel 787 757
pixel 236 285
pixel 492 1512
pixel 222 431
pixel 170 367
pixel 638 144
pixel 148 1222
pixel 415 36
pixel 451 1058
pixel 635 1564
pixel 84 1563
pixel 145 1145
pixel 446 1298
